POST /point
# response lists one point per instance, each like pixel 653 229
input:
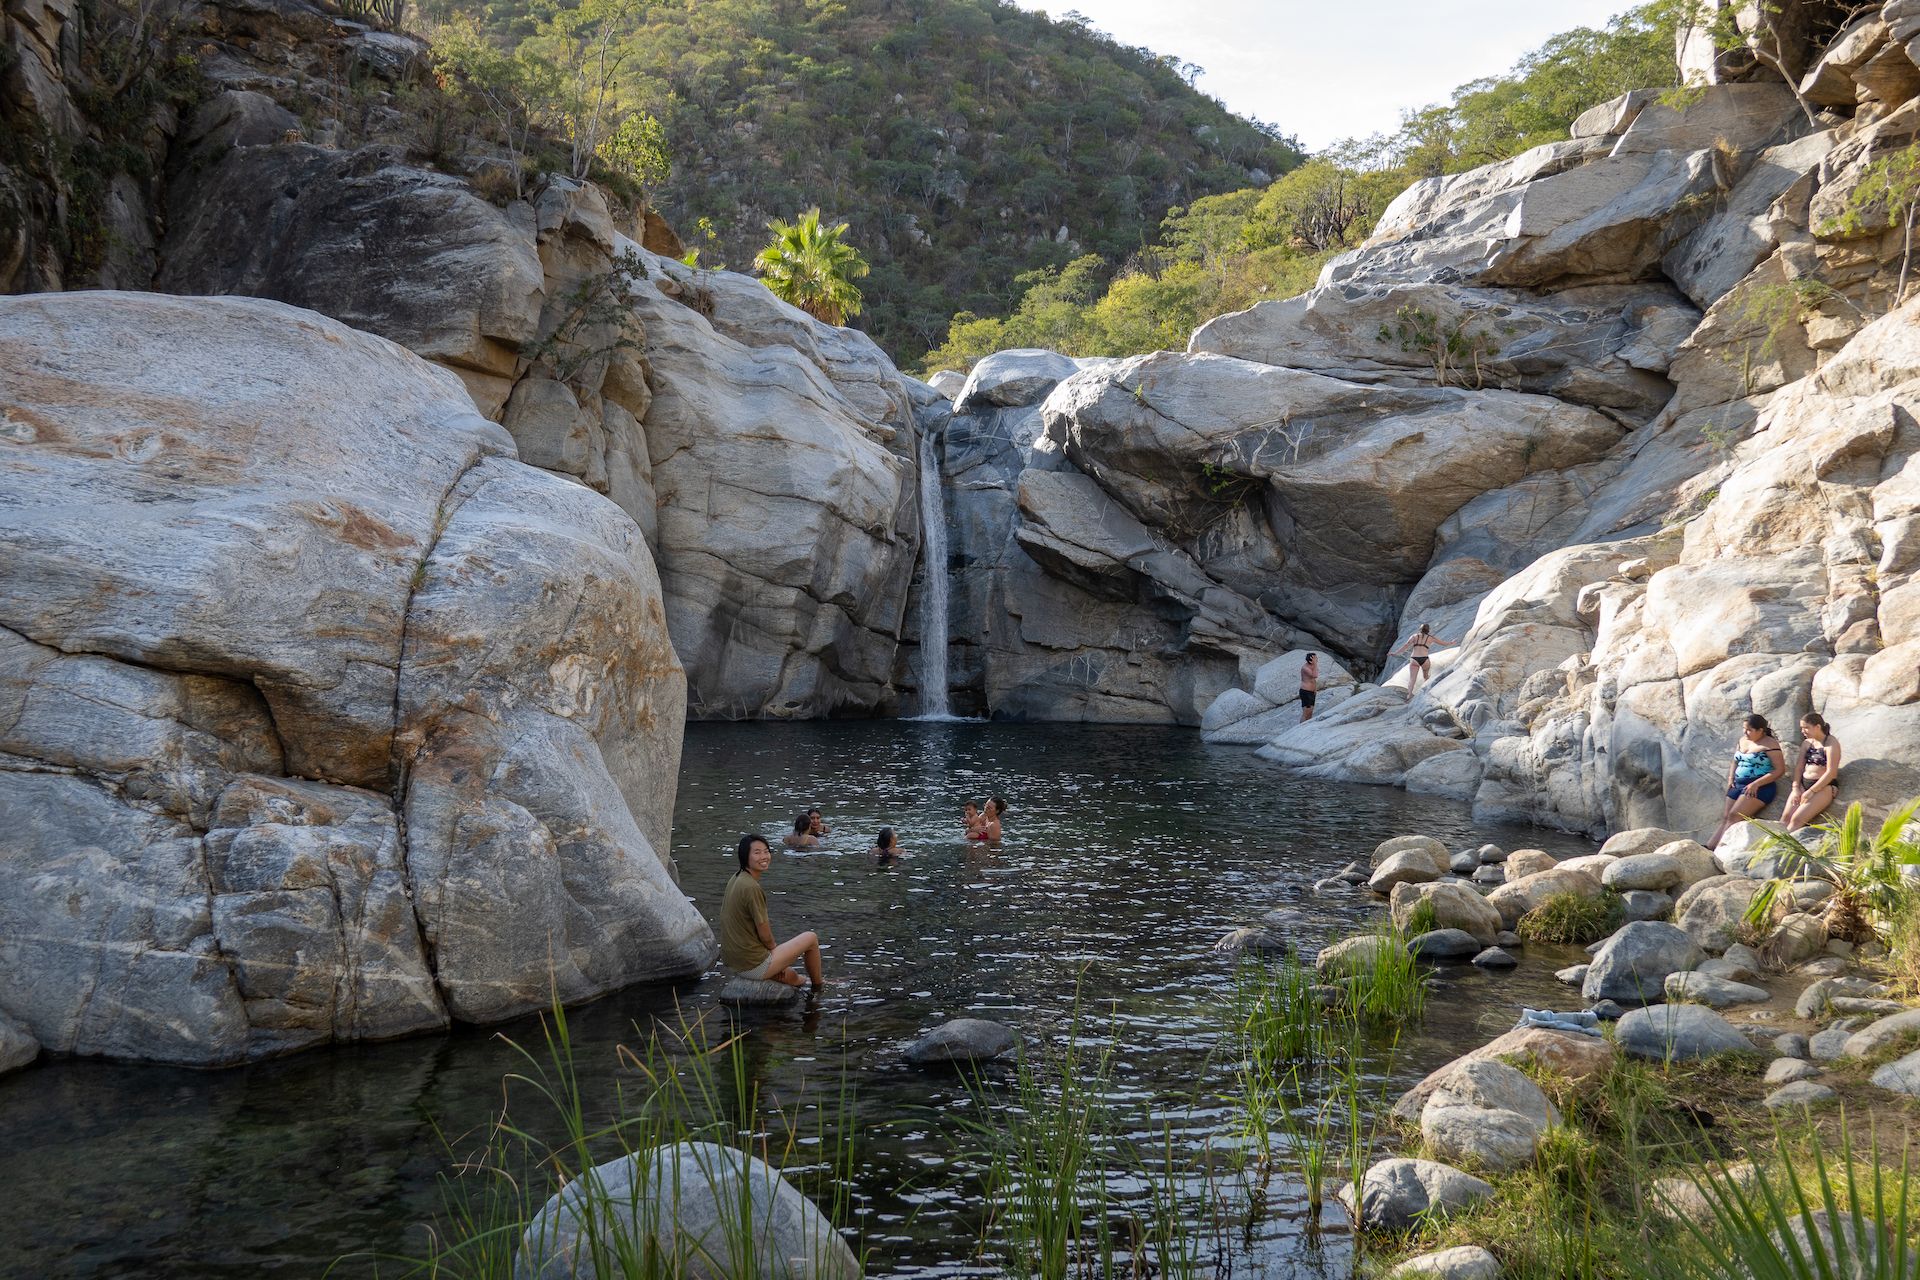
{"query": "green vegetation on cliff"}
pixel 964 142
pixel 1226 252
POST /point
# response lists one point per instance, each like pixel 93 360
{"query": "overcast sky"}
pixel 1323 70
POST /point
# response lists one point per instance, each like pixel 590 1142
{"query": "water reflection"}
pixel 1127 853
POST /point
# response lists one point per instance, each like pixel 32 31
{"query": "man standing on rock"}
pixel 746 936
pixel 1309 686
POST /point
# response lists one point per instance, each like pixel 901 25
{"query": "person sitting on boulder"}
pixel 1309 686
pixel 1418 646
pixel 1759 762
pixel 1817 781
pixel 746 936
pixel 802 836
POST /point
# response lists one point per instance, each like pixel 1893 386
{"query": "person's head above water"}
pixel 1758 728
pixel 996 806
pixel 801 823
pixel 745 850
pixel 884 841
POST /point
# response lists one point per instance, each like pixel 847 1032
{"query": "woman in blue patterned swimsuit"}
pixel 1759 762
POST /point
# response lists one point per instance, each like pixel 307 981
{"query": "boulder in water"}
pixel 692 1201
pixel 962 1040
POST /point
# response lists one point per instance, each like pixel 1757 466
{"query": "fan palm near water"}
pixel 811 267
pixel 1867 872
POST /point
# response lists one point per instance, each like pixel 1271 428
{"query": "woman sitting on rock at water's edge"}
pixel 1759 762
pixel 745 934
pixel 802 836
pixel 1816 780
pixel 1418 646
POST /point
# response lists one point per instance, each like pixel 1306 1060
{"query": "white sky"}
pixel 1323 70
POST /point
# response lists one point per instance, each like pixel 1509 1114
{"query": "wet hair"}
pixel 1813 718
pixel 746 848
pixel 813 813
pixel 1758 721
pixel 1425 630
pixel 999 805
pixel 884 841
pixel 1311 656
pixel 801 822
pixel 971 805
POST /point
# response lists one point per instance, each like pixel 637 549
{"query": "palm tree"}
pixel 1866 872
pixel 808 266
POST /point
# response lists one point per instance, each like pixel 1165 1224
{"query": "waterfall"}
pixel 933 589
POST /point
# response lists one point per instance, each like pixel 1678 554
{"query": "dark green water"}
pixel 1128 853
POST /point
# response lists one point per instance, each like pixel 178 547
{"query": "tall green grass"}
pixel 1838 1219
pixel 551 1137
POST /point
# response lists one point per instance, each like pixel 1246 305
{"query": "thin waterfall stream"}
pixel 933 591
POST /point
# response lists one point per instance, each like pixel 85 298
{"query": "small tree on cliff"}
pixel 809 266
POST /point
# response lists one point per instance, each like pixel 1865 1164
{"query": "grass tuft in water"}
pixel 1570 918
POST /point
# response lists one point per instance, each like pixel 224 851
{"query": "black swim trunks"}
pixel 1307 696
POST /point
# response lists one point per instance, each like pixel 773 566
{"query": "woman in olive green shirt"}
pixel 746 937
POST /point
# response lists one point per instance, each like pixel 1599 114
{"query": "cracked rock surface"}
pixel 322 717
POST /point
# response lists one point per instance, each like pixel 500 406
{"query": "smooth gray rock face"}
pixel 1711 910
pixel 783 457
pixel 1397 1193
pixel 1487 1082
pixel 1883 1034
pixel 1715 993
pixel 1788 1070
pixel 1463 1262
pixel 322 230
pixel 1495 958
pixel 962 1040
pixel 1454 906
pixel 1410 867
pixel 342 574
pixel 1632 967
pixel 1799 1094
pixel 1902 1075
pixel 1485 1137
pixel 698 1203
pixel 1792 1045
pixel 1444 944
pixel 1825 1046
pixel 17 1045
pixel 1678 1032
pixel 1013 379
pixel 1644 904
pixel 746 993
pixel 1572 975
pixel 1656 871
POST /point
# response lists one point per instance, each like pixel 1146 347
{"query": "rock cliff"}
pixel 325 717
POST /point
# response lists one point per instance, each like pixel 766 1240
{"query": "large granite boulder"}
pixel 697 1209
pixel 1633 965
pixel 326 719
pixel 1398 1193
pixel 783 460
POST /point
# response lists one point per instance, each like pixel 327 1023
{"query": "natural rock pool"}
pixel 1128 853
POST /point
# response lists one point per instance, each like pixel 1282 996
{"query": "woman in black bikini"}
pixel 1418 646
pixel 1816 781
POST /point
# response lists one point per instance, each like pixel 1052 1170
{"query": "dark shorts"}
pixel 1765 794
pixel 1307 696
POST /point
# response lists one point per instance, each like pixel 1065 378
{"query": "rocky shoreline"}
pixel 1779 1007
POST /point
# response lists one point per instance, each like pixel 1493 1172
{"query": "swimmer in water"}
pixel 886 847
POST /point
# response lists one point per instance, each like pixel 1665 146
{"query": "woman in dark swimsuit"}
pixel 1418 646
pixel 1817 779
pixel 1759 762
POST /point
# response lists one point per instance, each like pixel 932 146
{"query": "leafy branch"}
pixel 1451 347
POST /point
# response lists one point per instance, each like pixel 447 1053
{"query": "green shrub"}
pixel 1568 917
